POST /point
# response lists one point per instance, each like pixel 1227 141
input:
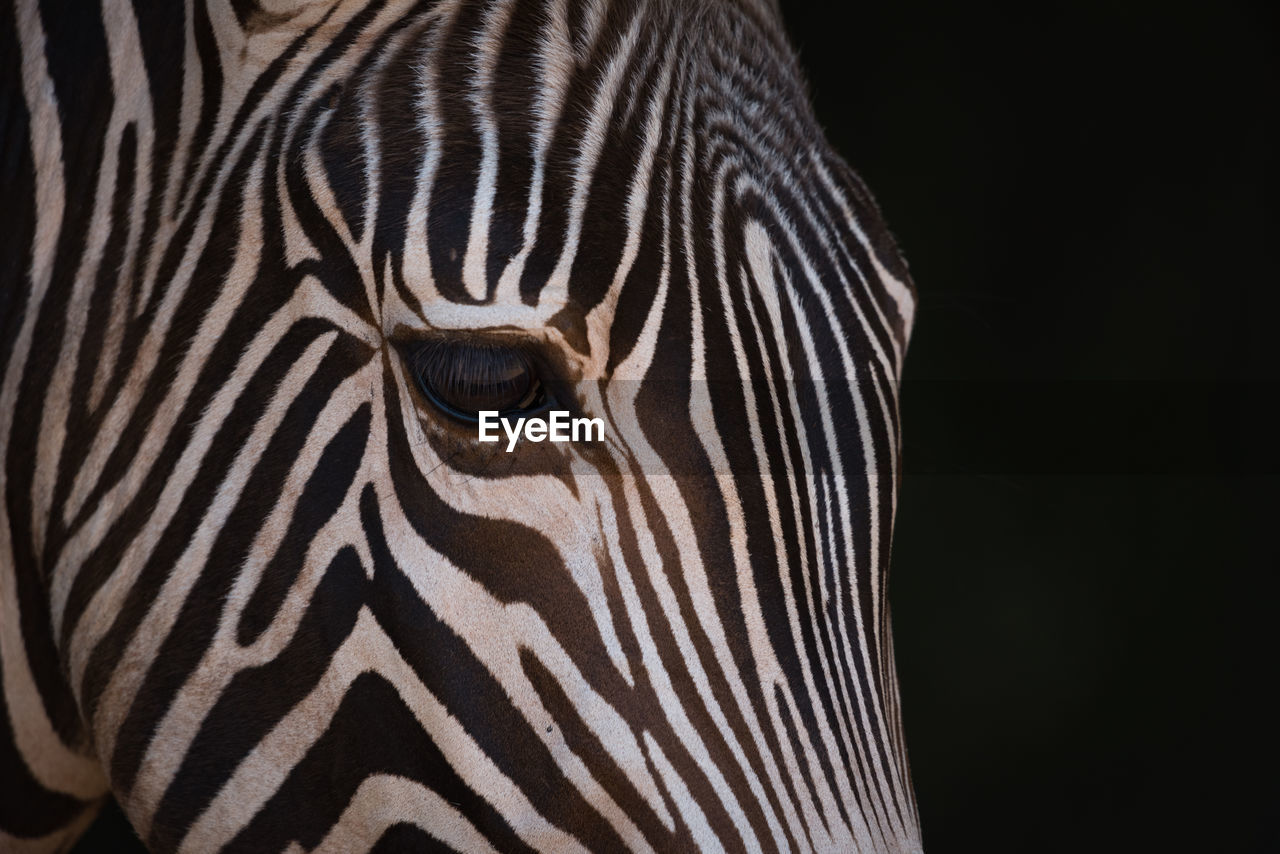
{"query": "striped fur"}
pixel 254 585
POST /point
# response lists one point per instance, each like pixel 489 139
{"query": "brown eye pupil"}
pixel 466 378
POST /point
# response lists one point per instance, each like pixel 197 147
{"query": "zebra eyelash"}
pixel 462 378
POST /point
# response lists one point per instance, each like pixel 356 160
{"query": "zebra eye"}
pixel 463 378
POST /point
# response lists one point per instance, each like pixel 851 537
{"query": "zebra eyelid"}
pixel 548 402
pixel 418 354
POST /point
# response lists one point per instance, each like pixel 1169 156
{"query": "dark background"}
pixel 1085 556
pixel 1084 562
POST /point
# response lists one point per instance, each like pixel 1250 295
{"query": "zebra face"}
pixel 299 602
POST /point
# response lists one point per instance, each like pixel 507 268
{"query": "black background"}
pixel 1083 574
pixel 1084 561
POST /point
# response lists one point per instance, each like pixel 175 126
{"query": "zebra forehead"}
pixel 519 148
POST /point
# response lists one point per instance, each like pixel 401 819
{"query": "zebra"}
pixel 264 261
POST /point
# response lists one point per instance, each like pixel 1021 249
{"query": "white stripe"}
pixel 485 46
pixel 385 800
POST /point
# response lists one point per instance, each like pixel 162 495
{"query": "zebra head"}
pixel 287 597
